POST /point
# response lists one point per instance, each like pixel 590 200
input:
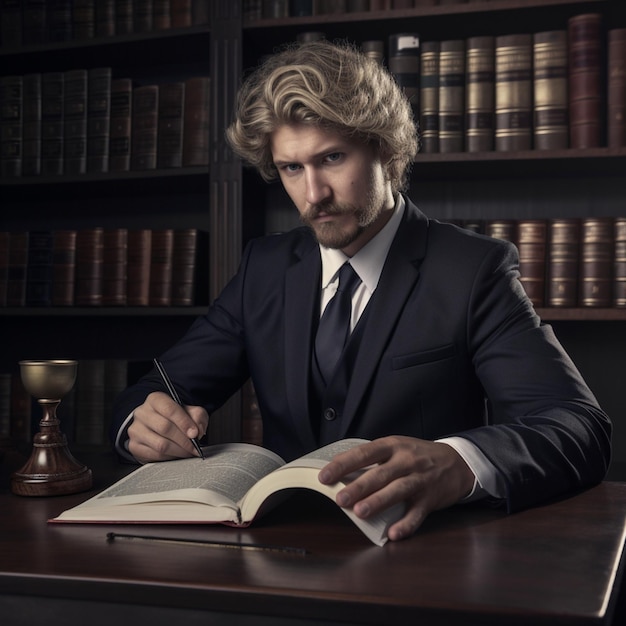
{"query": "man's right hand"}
pixel 162 430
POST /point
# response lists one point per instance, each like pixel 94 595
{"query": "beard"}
pixel 338 236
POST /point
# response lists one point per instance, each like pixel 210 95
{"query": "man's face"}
pixel 337 184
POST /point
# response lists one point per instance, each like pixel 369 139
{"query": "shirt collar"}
pixel 369 260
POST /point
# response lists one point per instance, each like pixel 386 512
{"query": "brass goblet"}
pixel 51 468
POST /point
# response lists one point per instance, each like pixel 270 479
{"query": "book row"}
pixel 548 90
pixel 85 121
pixel 275 9
pixel 85 412
pixel 30 22
pixel 104 267
pixel 566 262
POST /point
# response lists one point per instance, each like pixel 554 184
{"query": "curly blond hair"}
pixel 330 85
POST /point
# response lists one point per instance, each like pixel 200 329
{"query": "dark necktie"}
pixel 334 327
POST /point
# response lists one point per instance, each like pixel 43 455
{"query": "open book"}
pixel 234 484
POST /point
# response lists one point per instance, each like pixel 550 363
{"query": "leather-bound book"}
pixel 75 122
pixel 180 13
pixel 532 243
pixel 429 97
pixel 123 17
pixel 190 267
pixel 404 64
pixel 138 267
pixel 63 267
pixel 144 127
pixel 84 19
pixel 196 121
pixel 105 18
pixel 451 95
pixel 142 16
pixel 98 119
pixel 120 124
pixel 170 128
pixel 52 97
pixel 550 104
pixel 31 125
pixel 502 229
pixel 480 96
pixel 161 15
pixel 114 268
pixel 161 267
pixel 619 265
pixel 39 271
pixel 596 262
pixel 585 80
pixel 11 97
pixel 616 88
pixel 18 267
pixel 89 266
pixel 562 262
pixel 514 96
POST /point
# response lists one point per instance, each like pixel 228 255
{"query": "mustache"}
pixel 328 209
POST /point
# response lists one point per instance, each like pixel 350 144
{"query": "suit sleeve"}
pixel 547 434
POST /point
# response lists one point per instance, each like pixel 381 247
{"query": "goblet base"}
pixel 51 470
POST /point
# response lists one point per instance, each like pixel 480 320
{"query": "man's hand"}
pixel 426 475
pixel 162 430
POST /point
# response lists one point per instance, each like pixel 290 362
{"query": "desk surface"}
pixel 557 564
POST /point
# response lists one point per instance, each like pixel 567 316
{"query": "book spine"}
pixel 11 27
pixel 404 64
pixel 98 119
pixel 585 80
pixel 60 22
pixel 196 121
pixel 63 267
pixel 502 229
pixel 89 262
pixel 513 92
pixel 105 18
pixel 120 125
pixel 52 133
pixel 5 239
pixel 480 96
pixel 123 17
pixel 34 21
pixel 596 262
pixel 31 125
pixel 138 267
pixel 170 125
pixel 161 15
pixel 11 97
pixel 531 242
pixel 619 265
pixel 550 103
pixel 562 262
pixel 18 267
pixel 180 14
pixel 161 267
pixel 114 268
pixel 429 97
pixel 190 263
pixel 84 19
pixel 142 16
pixel 144 127
pixel 451 95
pixel 75 122
pixel 616 88
pixel 39 269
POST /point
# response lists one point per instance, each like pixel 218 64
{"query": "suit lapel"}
pixel 301 296
pixel 398 279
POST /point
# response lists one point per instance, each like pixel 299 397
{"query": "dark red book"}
pixel 586 101
pixel 63 267
pixel 596 262
pixel 114 268
pixel 190 265
pixel 532 243
pixel 89 265
pixel 196 121
pixel 138 267
pixel 161 267
pixel 562 262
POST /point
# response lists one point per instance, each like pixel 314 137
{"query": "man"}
pixel 448 370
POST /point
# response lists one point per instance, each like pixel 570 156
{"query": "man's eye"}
pixel 334 156
pixel 292 167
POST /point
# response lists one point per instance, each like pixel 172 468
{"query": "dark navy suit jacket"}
pixel 448 327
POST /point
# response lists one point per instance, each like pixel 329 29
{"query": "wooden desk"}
pixel 559 564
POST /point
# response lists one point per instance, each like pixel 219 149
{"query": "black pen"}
pixel 175 397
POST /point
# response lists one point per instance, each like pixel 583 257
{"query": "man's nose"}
pixel 317 188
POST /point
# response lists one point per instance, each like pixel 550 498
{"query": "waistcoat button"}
pixel 330 414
